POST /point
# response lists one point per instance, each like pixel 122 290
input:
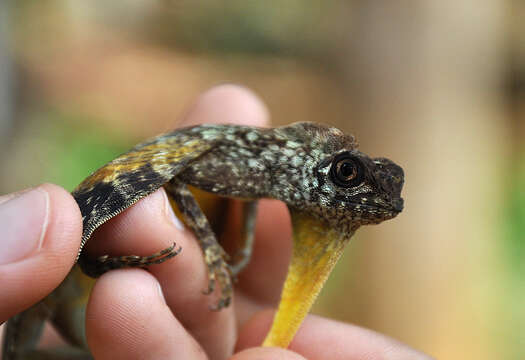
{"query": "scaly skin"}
pixel 330 187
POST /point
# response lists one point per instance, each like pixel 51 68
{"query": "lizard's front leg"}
pixel 214 255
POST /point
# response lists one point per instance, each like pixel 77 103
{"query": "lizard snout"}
pixel 397 204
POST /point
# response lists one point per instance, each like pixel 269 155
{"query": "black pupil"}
pixel 347 169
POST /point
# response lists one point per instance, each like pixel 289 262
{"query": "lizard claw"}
pixel 105 263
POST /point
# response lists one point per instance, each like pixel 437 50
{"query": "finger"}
pixel 148 227
pixel 227 104
pixel 320 338
pixel 40 231
pixel 127 318
pixel 261 353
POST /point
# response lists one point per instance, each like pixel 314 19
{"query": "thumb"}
pixel 40 231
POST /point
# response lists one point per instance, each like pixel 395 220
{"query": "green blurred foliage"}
pixel 76 147
pixel 513 228
pixel 296 28
pixel 515 220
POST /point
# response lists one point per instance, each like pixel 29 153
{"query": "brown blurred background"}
pixel 438 86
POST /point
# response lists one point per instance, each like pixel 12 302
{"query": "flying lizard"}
pixel 329 186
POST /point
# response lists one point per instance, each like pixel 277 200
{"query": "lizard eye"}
pixel 346 170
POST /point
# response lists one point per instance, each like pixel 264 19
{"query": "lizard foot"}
pixel 105 263
pixel 218 273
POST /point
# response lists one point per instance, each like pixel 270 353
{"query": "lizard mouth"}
pixel 394 206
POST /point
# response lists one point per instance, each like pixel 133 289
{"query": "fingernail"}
pixel 23 223
pixel 171 214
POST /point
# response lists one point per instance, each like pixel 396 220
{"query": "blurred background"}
pixel 438 86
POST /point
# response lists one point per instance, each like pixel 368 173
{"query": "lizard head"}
pixel 358 190
pixel 331 189
pixel 326 175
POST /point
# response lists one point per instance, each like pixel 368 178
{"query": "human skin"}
pixel 162 313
